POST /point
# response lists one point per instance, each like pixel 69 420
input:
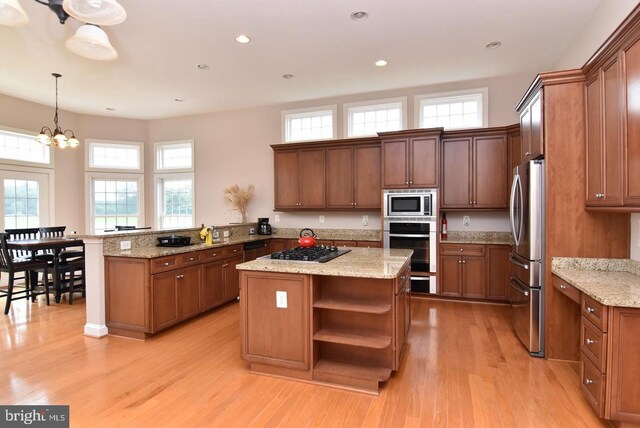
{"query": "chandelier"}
pixel 89 41
pixel 57 137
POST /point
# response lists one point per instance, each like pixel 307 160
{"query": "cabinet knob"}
pixel 562 286
pixel 588 382
pixel 527 154
pixel 590 309
pixel 461 249
pixel 179 276
pixel 475 202
pixel 166 263
pixel 191 259
pixel 460 261
pixel 225 265
pixel 214 254
pixel 590 341
pixel 464 261
pixel 355 203
pixel 406 182
pixel 411 182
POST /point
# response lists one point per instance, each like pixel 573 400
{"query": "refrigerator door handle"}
pixel 513 259
pixel 519 286
pixel 512 214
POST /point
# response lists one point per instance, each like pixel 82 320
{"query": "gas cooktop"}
pixel 320 254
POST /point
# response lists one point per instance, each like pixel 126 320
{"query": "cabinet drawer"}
pixel 189 259
pixel 163 264
pixel 212 254
pixel 462 249
pixel 593 344
pixel 232 250
pixel 592 384
pixel 565 288
pixel 594 311
pixel 344 243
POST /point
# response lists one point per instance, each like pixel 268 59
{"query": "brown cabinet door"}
pixel 631 168
pixel 525 134
pixel 537 141
pixel 394 164
pixel 340 177
pixel 189 292
pixel 456 173
pixel 278 245
pixel 515 154
pixel 450 278
pixel 212 284
pixel 498 272
pixel 625 368
pixel 286 179
pixel 612 135
pixel 594 141
pixel 312 178
pixel 369 244
pixel 473 276
pixel 490 172
pixel 367 177
pixel 164 300
pixel 231 279
pixel 423 161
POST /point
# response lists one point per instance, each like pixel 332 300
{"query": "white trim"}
pixel 346 116
pixel 334 117
pixel 87 155
pixel 15 162
pixel 452 95
pixel 159 144
pixel 158 199
pixel 51 183
pixel 95 330
pixel 91 175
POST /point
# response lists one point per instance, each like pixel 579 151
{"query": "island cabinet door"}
pixel 624 374
pixel 275 332
pixel 212 284
pixel 189 292
pixel 164 300
pixel 231 279
pixel 402 319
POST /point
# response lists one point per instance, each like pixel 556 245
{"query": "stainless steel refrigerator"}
pixel 526 213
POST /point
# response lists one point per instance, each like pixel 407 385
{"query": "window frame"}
pixel 90 176
pixel 306 111
pixel 158 178
pixel 348 107
pixel 21 163
pixel 158 145
pixel 50 184
pixel 87 159
pixel 452 96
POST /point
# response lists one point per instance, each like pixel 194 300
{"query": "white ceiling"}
pixel 160 43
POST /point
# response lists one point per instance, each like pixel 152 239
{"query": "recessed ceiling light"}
pixel 493 45
pixel 202 66
pixel 111 109
pixel 359 16
pixel 288 76
pixel 243 39
pixel 179 100
pixel 381 63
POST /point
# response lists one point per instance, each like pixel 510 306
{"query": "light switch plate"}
pixel 321 219
pixel 277 218
pixel 365 220
pixel 225 233
pixel 125 245
pixel 281 299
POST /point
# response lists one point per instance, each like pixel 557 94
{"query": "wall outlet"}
pixel 365 220
pixel 252 230
pixel 277 218
pixel 225 233
pixel 281 299
pixel 125 245
pixel 466 220
pixel 321 219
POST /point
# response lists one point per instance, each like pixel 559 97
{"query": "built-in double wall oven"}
pixel 410 223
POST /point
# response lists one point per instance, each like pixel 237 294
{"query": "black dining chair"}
pixel 12 265
pixel 57 232
pixel 70 276
pixel 19 235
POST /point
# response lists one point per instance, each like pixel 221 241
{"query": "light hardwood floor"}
pixel 463 368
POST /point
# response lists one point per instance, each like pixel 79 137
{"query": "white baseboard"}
pixel 95 330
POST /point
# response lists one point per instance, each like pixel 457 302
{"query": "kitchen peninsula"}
pixel 343 323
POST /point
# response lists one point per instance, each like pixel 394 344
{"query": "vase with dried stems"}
pixel 239 199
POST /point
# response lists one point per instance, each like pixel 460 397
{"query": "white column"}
pixel 94 270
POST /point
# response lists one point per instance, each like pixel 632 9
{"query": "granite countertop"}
pixel 612 282
pixel 487 238
pixel 150 252
pixel 333 234
pixel 359 262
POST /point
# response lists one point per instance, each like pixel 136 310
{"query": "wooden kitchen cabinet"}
pixel 175 296
pixel 631 151
pixel 410 159
pixel 475 170
pixel 450 276
pixel 212 284
pixel 299 179
pixel 497 257
pixel 231 281
pixel 515 150
pixel 532 143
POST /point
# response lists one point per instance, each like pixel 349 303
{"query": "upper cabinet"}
pixel 475 169
pixel 328 175
pixel 410 158
pixel 531 141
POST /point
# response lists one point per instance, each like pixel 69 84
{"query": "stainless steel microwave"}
pixel 410 203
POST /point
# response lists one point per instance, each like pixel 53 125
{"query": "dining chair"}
pixel 56 232
pixel 67 279
pixel 21 234
pixel 12 265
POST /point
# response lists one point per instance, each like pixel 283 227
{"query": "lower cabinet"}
pixel 175 296
pixel 231 279
pixel 212 284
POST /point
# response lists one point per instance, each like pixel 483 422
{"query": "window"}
pixel 115 201
pixel 174 184
pixel 25 198
pixel 175 200
pixel 15 146
pixel 114 156
pixel 309 124
pixel 453 110
pixel 375 116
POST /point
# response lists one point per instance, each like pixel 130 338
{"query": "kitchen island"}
pixel 342 323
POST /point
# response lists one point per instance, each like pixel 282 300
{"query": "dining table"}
pixel 51 245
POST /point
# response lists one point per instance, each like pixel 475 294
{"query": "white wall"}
pixel 491 221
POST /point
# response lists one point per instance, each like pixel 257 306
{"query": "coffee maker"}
pixel 264 228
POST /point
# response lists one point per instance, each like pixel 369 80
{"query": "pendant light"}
pixel 57 137
pixel 98 12
pixel 11 13
pixel 90 41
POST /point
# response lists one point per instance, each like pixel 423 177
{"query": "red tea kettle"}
pixel 307 238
